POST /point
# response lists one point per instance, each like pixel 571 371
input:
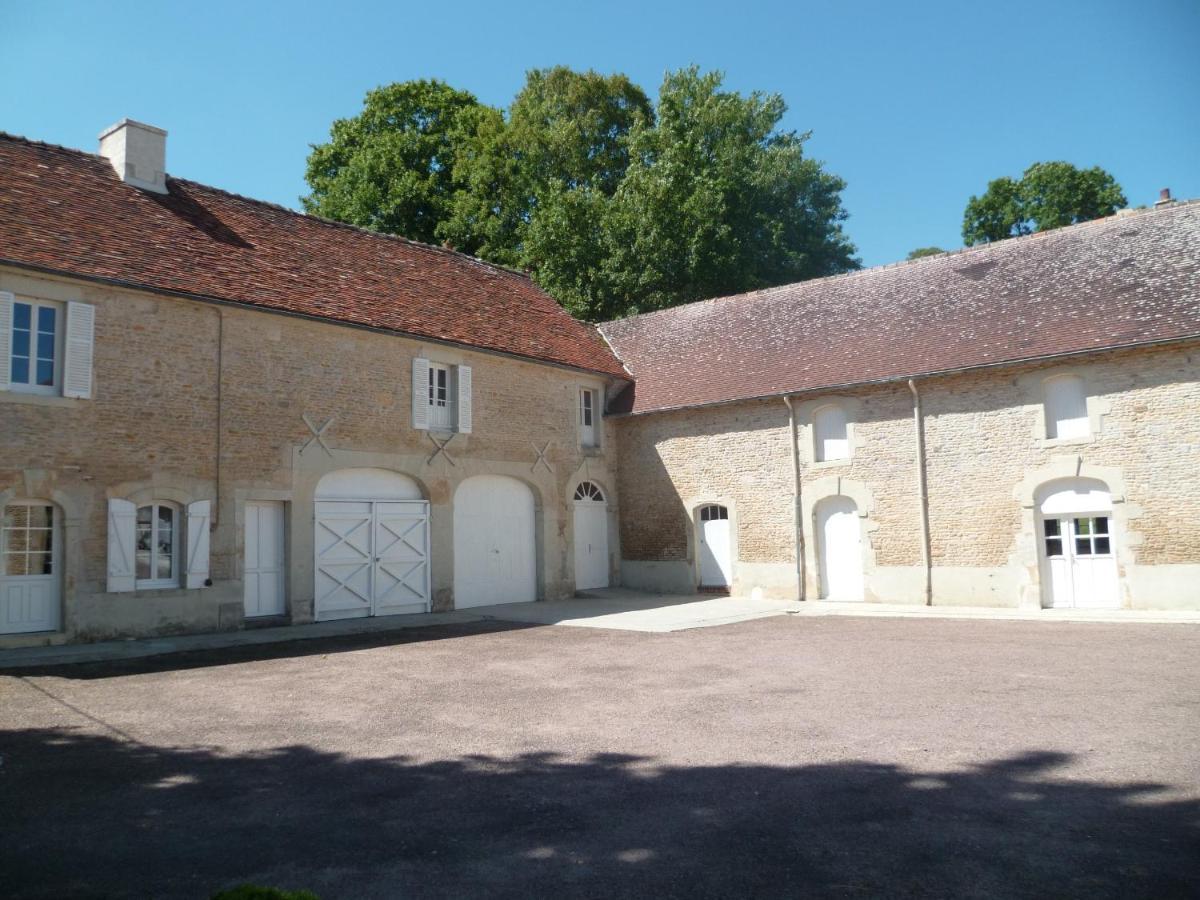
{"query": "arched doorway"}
pixel 715 542
pixel 591 537
pixel 30 567
pixel 495 557
pixel 371 542
pixel 1076 549
pixel 839 545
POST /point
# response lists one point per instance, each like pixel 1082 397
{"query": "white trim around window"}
pixel 157 537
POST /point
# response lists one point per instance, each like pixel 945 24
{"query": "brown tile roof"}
pixel 1128 279
pixel 66 211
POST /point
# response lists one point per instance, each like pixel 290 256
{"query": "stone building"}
pixel 217 413
pixel 1016 424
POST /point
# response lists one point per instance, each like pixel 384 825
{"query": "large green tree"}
pixel 390 168
pixel 1049 195
pixel 613 204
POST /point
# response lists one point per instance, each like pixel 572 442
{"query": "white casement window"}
pixel 589 411
pixel 157 545
pixel 45 347
pixel 1066 407
pixel 441 396
pixel 830 434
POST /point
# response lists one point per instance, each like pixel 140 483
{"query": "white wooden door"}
pixel 264 573
pixel 401 571
pixel 716 547
pixel 30 579
pixel 839 534
pixel 494 550
pixel 372 558
pixel 1080 564
pixel 591 538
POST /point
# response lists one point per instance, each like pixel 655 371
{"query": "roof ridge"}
pixel 447 251
pixel 1119 215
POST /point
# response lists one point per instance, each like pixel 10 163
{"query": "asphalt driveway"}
pixel 778 757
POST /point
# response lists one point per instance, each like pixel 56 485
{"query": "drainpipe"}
pixel 923 490
pixel 798 510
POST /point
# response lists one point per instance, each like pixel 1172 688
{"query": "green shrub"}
pixel 257 892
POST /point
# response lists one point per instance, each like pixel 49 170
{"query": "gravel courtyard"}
pixel 776 757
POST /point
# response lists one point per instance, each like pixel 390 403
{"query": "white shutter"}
pixel 464 399
pixel 420 393
pixel 77 358
pixel 122 518
pixel 197 543
pixel 6 322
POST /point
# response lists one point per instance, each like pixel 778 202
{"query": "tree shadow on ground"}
pixel 87 815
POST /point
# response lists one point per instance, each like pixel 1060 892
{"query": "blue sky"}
pixel 917 105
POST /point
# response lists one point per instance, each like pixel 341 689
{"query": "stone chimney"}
pixel 1164 197
pixel 138 153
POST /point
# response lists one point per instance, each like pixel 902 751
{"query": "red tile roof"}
pixel 67 211
pixel 1128 279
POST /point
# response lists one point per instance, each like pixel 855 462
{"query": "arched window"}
pixel 589 491
pixel 1066 407
pixel 830 433
pixel 156 554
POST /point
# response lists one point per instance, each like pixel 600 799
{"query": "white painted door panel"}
pixel 840 536
pixel 716 553
pixel 372 558
pixel 264 572
pixel 30 568
pixel 494 552
pixel 591 545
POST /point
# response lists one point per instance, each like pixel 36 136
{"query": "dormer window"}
pixel 1066 407
pixel 831 439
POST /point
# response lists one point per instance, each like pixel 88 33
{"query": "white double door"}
pixel 1081 567
pixel 372 558
pixel 263 573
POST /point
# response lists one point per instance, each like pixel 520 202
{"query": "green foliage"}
pixel 613 204
pixel 256 892
pixel 924 251
pixel 1049 195
pixel 390 168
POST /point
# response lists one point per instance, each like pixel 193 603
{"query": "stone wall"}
pixel 986 452
pixel 199 401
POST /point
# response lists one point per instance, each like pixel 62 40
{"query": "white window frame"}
pixel 589 408
pixel 443 414
pixel 60 323
pixel 818 443
pixel 177 539
pixel 1053 425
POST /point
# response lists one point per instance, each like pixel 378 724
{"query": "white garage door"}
pixel 29 568
pixel 371 544
pixel 840 536
pixel 591 537
pixel 494 555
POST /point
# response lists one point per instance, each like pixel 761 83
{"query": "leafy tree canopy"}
pixel 614 204
pixel 1049 195
pixel 924 251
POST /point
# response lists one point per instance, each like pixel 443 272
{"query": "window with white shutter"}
pixel 441 396
pixel 420 393
pixel 77 353
pixel 588 412
pixel 122 530
pixel 198 524
pixel 463 385
pixel 1066 407
pixel 831 437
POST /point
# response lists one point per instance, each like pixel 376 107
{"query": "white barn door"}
pixel 716 547
pixel 371 545
pixel 839 536
pixel 263 573
pixel 591 538
pixel 494 551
